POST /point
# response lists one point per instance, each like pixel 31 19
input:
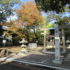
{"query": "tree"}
pixel 6 9
pixel 2 17
pixel 52 5
pixel 15 30
pixel 30 17
pixel 29 13
pixel 63 22
pixel 15 27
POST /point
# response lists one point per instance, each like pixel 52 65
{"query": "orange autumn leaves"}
pixel 29 13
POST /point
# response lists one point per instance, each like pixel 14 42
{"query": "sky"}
pixel 25 0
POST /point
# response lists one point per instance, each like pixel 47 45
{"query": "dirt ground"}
pixel 13 48
pixel 8 66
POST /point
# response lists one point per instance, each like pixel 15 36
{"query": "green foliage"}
pixel 6 8
pixel 35 37
pixel 2 17
pixel 50 26
pixel 16 39
pixel 55 5
pixel 8 2
pixel 63 21
pixel 39 36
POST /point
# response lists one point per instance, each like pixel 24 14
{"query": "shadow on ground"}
pixel 9 66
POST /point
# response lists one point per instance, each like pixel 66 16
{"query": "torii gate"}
pixel 57 51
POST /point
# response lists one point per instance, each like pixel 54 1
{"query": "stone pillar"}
pixel 57 46
pixel 63 41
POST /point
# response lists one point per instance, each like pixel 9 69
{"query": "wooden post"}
pixel 57 46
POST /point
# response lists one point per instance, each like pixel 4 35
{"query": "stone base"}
pixel 57 61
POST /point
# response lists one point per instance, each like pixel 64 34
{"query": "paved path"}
pixel 25 67
pixel 10 67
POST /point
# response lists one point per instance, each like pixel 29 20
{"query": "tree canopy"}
pixel 52 5
pixel 28 13
pixel 30 18
pixel 6 9
pixel 64 21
